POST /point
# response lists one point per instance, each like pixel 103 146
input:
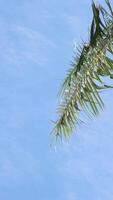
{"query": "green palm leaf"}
pixel 81 88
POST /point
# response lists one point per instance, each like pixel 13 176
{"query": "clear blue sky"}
pixel 36 47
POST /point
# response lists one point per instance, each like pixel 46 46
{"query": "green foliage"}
pixel 81 88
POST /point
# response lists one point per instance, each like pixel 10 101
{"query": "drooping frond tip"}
pixel 81 88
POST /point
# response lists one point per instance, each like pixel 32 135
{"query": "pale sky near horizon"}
pixel 36 47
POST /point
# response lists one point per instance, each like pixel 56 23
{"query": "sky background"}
pixel 36 47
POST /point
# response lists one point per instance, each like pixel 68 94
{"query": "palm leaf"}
pixel 81 88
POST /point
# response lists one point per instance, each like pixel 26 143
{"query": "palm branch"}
pixel 81 88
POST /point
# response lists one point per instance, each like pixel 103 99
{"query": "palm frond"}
pixel 80 91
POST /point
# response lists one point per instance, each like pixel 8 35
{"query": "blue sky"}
pixel 36 47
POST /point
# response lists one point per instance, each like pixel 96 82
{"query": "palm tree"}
pixel 81 88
